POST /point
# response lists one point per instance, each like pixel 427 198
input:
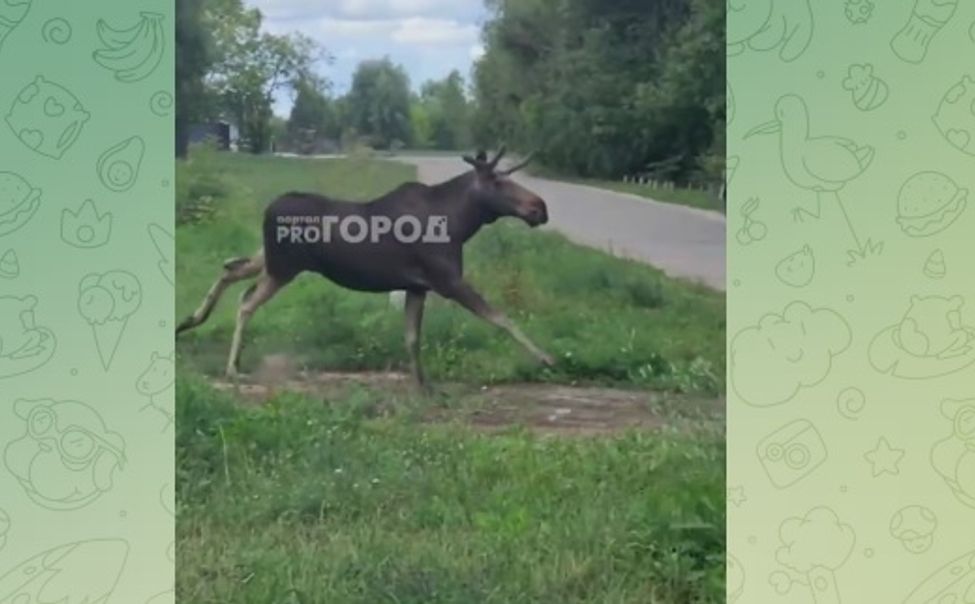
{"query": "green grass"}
pixel 363 500
pixel 606 320
pixel 300 502
pixel 680 196
pixel 685 197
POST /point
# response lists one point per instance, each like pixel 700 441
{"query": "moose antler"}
pixel 480 161
pixel 497 158
pixel 519 166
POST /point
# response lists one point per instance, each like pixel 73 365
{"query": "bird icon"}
pixel 822 164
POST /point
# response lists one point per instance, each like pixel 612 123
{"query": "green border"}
pixel 851 333
pixel 86 301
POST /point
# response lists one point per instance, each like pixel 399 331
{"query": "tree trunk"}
pixel 182 138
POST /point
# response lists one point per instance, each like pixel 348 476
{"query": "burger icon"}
pixel 928 203
pixel 19 202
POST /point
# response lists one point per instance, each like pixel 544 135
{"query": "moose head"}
pixel 500 195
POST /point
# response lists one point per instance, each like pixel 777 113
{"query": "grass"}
pixel 680 196
pixel 607 320
pixel 362 500
pixel 299 502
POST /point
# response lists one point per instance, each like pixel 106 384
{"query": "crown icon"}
pixel 85 228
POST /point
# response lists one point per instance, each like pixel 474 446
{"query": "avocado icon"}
pixel 118 166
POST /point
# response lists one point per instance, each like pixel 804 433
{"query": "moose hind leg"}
pixel 252 299
pixel 235 270
pixel 414 320
pixel 465 295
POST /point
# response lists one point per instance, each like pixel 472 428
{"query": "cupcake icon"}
pixel 867 90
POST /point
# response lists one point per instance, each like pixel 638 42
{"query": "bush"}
pixel 199 185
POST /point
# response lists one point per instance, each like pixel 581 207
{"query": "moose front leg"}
pixel 465 295
pixel 252 299
pixel 414 320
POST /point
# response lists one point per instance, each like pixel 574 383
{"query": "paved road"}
pixel 683 242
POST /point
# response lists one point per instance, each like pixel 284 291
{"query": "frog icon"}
pixel 66 457
pixel 23 345
pixel 930 340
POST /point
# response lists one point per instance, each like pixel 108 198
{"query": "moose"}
pixel 386 259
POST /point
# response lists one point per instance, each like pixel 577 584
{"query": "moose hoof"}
pixel 547 360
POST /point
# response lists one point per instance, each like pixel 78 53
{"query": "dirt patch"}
pixel 549 408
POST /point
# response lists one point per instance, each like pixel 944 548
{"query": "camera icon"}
pixel 791 453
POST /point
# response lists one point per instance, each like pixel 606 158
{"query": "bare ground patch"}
pixel 547 408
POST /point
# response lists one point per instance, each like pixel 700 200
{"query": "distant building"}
pixel 223 134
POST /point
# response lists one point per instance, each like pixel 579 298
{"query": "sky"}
pixel 429 38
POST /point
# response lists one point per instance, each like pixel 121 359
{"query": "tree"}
pixel 378 103
pixel 313 114
pixel 448 111
pixel 605 89
pixel 250 66
pixel 192 62
pixel 420 122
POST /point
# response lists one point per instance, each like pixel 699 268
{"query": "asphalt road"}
pixel 683 242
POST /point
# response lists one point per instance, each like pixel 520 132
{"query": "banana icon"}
pixel 132 53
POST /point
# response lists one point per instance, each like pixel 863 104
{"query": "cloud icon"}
pixel 819 539
pixel 783 353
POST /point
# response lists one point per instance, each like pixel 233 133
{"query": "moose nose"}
pixel 537 213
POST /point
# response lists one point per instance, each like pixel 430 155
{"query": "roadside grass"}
pixel 680 196
pixel 685 197
pixel 298 501
pixel 607 320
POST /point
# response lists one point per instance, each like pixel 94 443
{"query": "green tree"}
pixel 313 115
pixel 605 89
pixel 377 106
pixel 192 63
pixel 420 122
pixel 250 66
pixel 448 112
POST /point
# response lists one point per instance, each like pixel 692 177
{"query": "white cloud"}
pixel 430 38
pixel 369 9
pixel 434 32
pixel 411 31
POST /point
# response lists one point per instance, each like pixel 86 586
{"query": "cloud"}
pixel 369 10
pixel 412 31
pixel 430 38
pixel 820 539
pixel 435 32
pixel 772 361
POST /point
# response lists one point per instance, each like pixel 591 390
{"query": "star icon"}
pixel 883 458
pixel 736 495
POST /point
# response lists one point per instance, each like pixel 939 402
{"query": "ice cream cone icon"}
pixel 927 19
pixel 12 12
pixel 107 301
pixel 107 338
